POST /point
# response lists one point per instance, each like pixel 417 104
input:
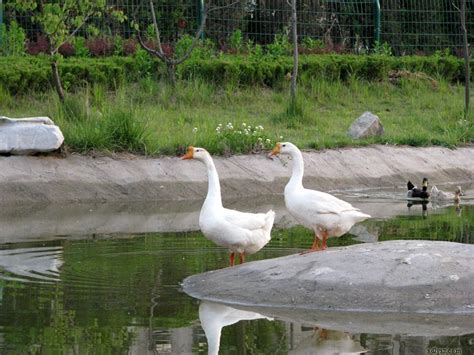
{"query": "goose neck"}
pixel 214 189
pixel 298 169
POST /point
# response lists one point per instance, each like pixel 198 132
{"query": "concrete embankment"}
pixel 124 179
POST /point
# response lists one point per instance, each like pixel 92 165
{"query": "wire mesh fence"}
pixel 408 26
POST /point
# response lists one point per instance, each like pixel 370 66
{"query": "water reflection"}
pixel 77 221
pixel 31 264
pixel 344 333
pixel 215 316
pixel 328 342
pixel 80 293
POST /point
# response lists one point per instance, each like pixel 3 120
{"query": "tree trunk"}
pixel 171 68
pixel 467 69
pixel 294 74
pixel 57 80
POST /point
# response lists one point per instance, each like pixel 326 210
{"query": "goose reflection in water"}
pixel 328 342
pixel 215 316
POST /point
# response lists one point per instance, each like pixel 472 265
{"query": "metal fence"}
pixel 408 26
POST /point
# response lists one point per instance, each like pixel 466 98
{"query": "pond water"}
pixel 106 279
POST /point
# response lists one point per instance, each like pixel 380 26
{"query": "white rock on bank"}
pixel 367 125
pixel 30 135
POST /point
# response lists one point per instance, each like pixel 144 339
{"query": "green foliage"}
pixel 203 50
pixel 311 43
pixel 106 126
pixel 236 41
pixel 415 109
pixel 80 47
pixel 382 48
pixel 58 20
pixel 12 40
pixel 280 46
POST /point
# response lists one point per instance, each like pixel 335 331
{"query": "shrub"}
pixel 22 74
pixel 12 40
pixel 39 46
pixel 100 46
pixel 67 50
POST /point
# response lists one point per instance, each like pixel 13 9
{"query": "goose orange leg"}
pixel 314 247
pixel 242 258
pixel 232 259
pixel 325 239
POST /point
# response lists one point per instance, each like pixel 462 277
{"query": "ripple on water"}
pixel 31 264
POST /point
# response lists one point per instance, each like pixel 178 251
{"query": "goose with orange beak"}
pixel 241 232
pixel 321 212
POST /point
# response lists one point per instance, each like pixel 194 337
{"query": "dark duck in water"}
pixel 416 192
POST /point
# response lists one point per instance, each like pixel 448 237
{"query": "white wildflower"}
pixel 195 129
pixel 259 139
pixel 260 127
pixel 281 137
pixel 239 132
pixel 267 141
pixel 244 124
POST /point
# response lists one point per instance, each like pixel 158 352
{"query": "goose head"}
pixel 283 148
pixel 196 153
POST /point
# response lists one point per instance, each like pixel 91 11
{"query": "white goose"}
pixel 437 194
pixel 325 214
pixel 240 232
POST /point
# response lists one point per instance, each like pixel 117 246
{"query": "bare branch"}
pixel 222 7
pixel 150 50
pixel 155 25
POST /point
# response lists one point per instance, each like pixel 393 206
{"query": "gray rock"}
pixel 29 135
pixel 367 125
pixel 395 276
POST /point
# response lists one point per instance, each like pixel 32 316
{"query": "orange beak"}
pixel 275 150
pixel 189 153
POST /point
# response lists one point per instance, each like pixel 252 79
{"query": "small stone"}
pixel 29 135
pixel 367 125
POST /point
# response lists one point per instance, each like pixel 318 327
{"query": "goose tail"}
pixel 269 219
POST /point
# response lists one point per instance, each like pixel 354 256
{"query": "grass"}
pixel 147 118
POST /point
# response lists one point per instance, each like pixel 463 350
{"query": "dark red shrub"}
pixel 39 46
pixel 167 49
pixel 182 23
pixel 129 46
pixel 67 49
pixel 100 46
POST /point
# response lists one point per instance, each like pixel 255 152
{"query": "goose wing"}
pixel 250 221
pixel 320 202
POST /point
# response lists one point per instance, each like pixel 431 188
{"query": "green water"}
pixel 121 294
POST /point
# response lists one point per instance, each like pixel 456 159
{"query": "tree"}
pixel 294 74
pixel 59 22
pixel 467 69
pixel 170 61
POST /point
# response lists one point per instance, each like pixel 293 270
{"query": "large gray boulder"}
pixel 422 277
pixel 367 125
pixel 29 135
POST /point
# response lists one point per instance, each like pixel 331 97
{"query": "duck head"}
pixel 425 184
pixel 195 153
pixel 458 191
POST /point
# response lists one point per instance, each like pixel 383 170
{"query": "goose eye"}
pixel 284 145
pixel 198 150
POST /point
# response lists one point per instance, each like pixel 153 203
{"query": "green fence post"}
pixel 200 14
pixel 1 20
pixel 378 21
